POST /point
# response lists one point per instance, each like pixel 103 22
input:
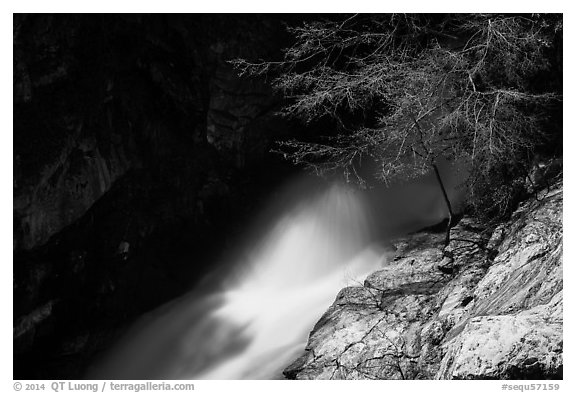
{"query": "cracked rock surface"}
pixel 496 313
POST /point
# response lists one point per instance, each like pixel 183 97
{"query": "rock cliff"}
pixel 97 99
pixel 488 308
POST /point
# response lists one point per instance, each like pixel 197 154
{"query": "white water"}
pixel 260 322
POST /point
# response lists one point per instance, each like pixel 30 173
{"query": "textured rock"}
pixel 65 189
pixel 88 110
pixel 28 322
pixel 515 325
pixel 526 345
pixel 497 314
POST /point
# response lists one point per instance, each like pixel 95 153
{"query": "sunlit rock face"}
pixel 492 310
pixel 515 327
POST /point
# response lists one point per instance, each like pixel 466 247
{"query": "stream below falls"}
pixel 269 302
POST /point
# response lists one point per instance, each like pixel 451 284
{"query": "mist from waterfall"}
pixel 270 299
pixel 252 316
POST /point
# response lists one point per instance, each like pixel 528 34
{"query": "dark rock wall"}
pixel 138 153
pixel 97 96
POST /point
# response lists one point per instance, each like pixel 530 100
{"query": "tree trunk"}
pixel 448 205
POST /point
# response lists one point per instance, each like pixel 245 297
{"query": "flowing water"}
pixel 270 299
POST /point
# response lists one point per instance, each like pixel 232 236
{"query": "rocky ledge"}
pixel 489 308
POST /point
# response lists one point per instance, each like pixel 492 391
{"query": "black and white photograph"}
pixel 287 196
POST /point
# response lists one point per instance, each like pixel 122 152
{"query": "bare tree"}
pixel 405 91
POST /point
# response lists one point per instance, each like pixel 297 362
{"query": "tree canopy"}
pixel 405 91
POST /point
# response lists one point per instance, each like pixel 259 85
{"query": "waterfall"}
pixel 260 318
